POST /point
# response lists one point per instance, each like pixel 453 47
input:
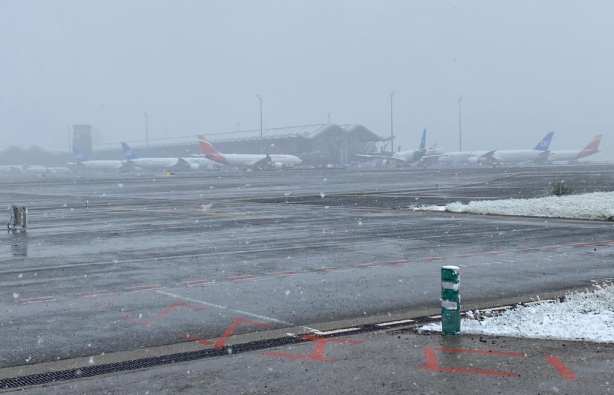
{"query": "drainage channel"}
pixel 123 366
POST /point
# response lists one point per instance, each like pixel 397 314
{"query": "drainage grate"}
pixel 90 371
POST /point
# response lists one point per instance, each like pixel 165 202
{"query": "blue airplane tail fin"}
pixel 128 153
pixel 544 144
pixel 423 140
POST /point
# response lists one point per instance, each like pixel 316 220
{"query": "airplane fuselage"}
pixel 461 157
pixel 520 156
pixel 251 160
pixel 564 156
pixel 155 163
pixel 101 164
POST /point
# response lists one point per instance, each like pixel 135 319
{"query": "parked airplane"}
pixel 455 158
pixel 407 156
pixel 573 156
pixel 152 163
pixel 45 170
pixel 538 154
pixel 98 165
pixel 254 161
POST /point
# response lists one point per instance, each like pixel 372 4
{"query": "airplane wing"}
pixel 264 163
pixel 379 156
pixel 429 159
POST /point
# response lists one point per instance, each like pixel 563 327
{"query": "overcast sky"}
pixel 523 67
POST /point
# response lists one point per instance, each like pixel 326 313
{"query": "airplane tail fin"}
pixel 591 148
pixel 544 144
pixel 128 153
pixel 423 140
pixel 209 151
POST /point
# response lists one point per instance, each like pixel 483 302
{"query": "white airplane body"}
pixel 99 164
pixel 563 156
pixel 38 169
pixel 461 157
pixel 200 163
pixel 539 154
pixel 248 160
pixel 575 155
pixel 155 163
pixel 408 156
pixel 520 156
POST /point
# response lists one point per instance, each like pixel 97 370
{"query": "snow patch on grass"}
pixel 587 316
pixel 596 205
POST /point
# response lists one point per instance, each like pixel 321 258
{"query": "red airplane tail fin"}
pixel 209 151
pixel 591 148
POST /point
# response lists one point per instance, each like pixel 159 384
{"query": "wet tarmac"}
pixel 113 263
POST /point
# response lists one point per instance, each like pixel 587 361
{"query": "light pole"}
pixel 392 93
pixel 260 107
pixel 460 123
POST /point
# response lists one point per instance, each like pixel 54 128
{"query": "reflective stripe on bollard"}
pixel 450 300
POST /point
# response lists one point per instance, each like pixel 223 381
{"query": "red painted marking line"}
pixel 433 258
pixel 284 274
pixel 396 263
pixel 220 343
pixel 242 277
pixel 562 369
pixel 319 351
pixel 583 244
pixel 41 299
pixel 198 283
pixel 432 364
pixel 325 269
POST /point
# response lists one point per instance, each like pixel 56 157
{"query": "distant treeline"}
pixel 33 155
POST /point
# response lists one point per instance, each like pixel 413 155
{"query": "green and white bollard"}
pixel 450 300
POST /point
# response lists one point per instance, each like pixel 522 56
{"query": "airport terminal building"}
pixel 316 144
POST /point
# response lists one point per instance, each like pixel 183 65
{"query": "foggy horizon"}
pixel 523 69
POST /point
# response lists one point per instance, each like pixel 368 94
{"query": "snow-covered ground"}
pixel 585 316
pixel 597 205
